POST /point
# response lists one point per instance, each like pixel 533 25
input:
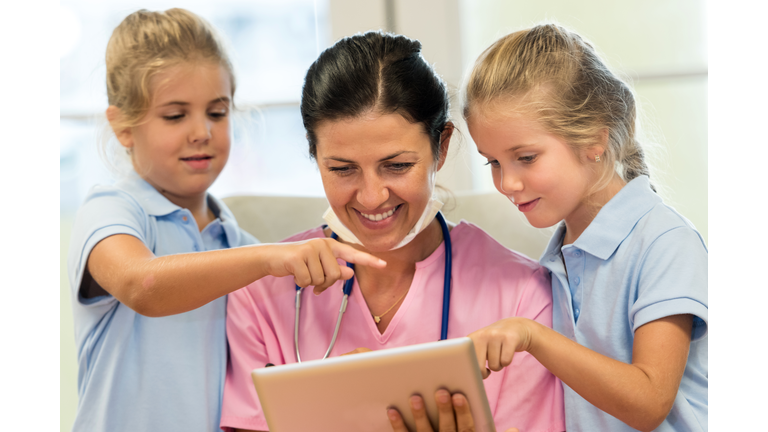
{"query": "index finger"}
pixel 350 254
pixel 481 351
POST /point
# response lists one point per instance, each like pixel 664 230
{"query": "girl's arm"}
pixel 158 286
pixel 640 394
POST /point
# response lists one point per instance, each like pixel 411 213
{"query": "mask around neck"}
pixel 430 211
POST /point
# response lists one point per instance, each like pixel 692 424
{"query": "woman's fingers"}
pixel 396 420
pixel 464 420
pixel 420 414
pixel 446 420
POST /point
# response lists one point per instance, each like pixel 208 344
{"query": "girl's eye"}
pixel 493 163
pixel 527 159
pixel 218 114
pixel 173 117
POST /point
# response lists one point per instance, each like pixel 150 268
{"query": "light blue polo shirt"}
pixel 138 373
pixel 638 261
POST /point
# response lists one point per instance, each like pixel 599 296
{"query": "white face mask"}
pixel 433 206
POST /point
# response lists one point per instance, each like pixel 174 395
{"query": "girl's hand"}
pixel 357 351
pixel 313 262
pixel 498 343
pixel 453 414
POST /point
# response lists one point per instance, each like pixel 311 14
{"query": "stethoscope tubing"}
pixel 348 290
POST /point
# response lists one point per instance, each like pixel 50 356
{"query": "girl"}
pixel 149 303
pixel 629 273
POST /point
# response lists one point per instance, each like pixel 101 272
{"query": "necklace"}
pixel 377 318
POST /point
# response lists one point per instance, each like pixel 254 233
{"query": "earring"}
pixel 597 158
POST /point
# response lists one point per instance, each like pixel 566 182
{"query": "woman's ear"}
pixel 123 134
pixel 445 140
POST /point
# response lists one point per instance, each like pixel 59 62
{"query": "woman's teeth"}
pixel 380 216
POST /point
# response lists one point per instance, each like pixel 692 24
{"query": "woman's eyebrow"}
pixel 394 155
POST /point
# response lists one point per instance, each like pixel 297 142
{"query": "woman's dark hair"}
pixel 374 71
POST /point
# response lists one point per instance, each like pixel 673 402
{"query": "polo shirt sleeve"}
pixel 673 281
pixel 247 351
pixel 246 238
pixel 107 211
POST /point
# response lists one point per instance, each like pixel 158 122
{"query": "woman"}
pixel 376 116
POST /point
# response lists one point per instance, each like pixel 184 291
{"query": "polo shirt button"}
pixel 185 219
pixel 552 258
pixel 578 280
pixel 196 248
pixel 578 253
pixel 577 311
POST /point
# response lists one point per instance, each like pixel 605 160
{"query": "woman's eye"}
pixel 493 163
pixel 527 159
pixel 341 170
pixel 400 166
pixel 173 117
pixel 218 114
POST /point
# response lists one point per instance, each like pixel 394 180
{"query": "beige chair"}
pixel 273 218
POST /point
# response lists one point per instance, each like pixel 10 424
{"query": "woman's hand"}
pixel 313 262
pixel 453 414
pixel 498 343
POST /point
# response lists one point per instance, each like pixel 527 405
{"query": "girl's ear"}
pixel 595 153
pixel 445 139
pixel 122 133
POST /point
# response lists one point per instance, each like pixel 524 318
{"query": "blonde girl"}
pixel 153 256
pixel 629 273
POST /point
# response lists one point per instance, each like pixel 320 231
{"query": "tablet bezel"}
pixel 353 392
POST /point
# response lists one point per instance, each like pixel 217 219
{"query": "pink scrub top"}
pixel 489 283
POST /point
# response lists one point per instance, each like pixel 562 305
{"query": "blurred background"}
pixel 660 47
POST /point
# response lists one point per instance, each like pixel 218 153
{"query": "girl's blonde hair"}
pixel 146 43
pixel 558 77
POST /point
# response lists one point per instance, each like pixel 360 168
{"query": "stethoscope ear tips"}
pixel 268 365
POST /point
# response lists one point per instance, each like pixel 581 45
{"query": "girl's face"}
pixel 536 170
pixel 378 172
pixel 182 144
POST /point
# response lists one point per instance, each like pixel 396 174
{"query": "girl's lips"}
pixel 198 162
pixel 528 206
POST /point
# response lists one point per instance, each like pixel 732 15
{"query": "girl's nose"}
pixel 201 131
pixel 509 182
pixel 373 192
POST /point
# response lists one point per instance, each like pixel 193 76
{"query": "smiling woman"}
pixel 377 123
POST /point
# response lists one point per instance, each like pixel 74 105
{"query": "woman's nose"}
pixel 373 192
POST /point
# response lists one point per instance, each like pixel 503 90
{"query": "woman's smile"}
pixel 379 220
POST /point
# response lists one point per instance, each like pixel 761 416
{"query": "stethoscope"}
pixel 348 290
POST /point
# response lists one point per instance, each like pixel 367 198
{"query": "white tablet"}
pixel 352 393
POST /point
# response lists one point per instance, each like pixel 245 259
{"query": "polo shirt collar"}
pixel 228 222
pixel 155 204
pixel 617 218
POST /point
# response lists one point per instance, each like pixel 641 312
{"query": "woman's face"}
pixel 378 172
